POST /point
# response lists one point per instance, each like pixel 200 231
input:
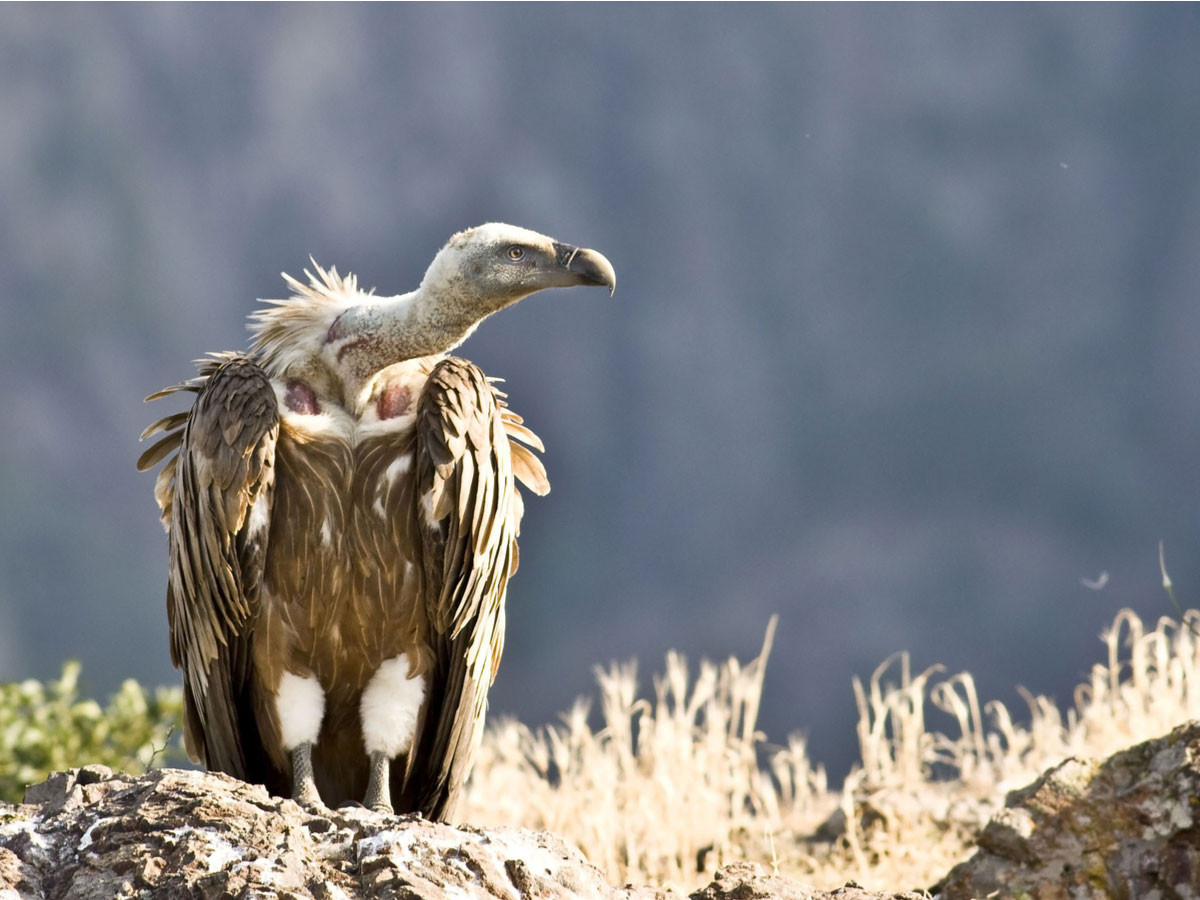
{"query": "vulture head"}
pixel 495 265
pixel 350 335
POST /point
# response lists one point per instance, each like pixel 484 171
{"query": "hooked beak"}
pixel 586 266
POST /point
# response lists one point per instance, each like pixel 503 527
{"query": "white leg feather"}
pixel 389 707
pixel 300 703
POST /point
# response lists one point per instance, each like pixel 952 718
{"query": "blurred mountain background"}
pixel 904 344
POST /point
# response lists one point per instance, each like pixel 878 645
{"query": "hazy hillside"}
pixel 903 344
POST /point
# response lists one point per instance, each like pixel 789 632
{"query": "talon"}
pixel 311 802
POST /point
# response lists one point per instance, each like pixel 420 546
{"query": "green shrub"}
pixel 47 727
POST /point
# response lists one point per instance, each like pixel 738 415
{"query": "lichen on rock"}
pixel 1123 828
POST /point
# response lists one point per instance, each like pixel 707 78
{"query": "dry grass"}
pixel 673 786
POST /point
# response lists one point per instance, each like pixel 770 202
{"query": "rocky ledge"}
pixel 1125 827
pixel 89 834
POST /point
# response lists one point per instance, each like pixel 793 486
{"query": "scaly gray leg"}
pixel 304 786
pixel 378 788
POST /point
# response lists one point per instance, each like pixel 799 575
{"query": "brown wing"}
pixel 469 514
pixel 215 495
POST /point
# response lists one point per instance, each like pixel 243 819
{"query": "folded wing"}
pixel 470 516
pixel 215 496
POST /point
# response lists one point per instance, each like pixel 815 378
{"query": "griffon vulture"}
pixel 342 518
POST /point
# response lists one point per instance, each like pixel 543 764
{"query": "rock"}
pixel 747 881
pixel 89 834
pixel 1126 827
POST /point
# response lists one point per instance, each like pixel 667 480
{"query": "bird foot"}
pixel 310 800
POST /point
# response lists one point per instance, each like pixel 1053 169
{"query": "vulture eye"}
pixel 515 252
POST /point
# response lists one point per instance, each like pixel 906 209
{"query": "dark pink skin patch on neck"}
pixel 300 398
pixel 394 401
pixel 335 330
pixel 338 331
pixel 364 341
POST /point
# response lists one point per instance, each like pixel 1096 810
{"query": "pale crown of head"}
pixel 480 257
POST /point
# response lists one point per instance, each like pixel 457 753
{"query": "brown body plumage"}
pixel 342 515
